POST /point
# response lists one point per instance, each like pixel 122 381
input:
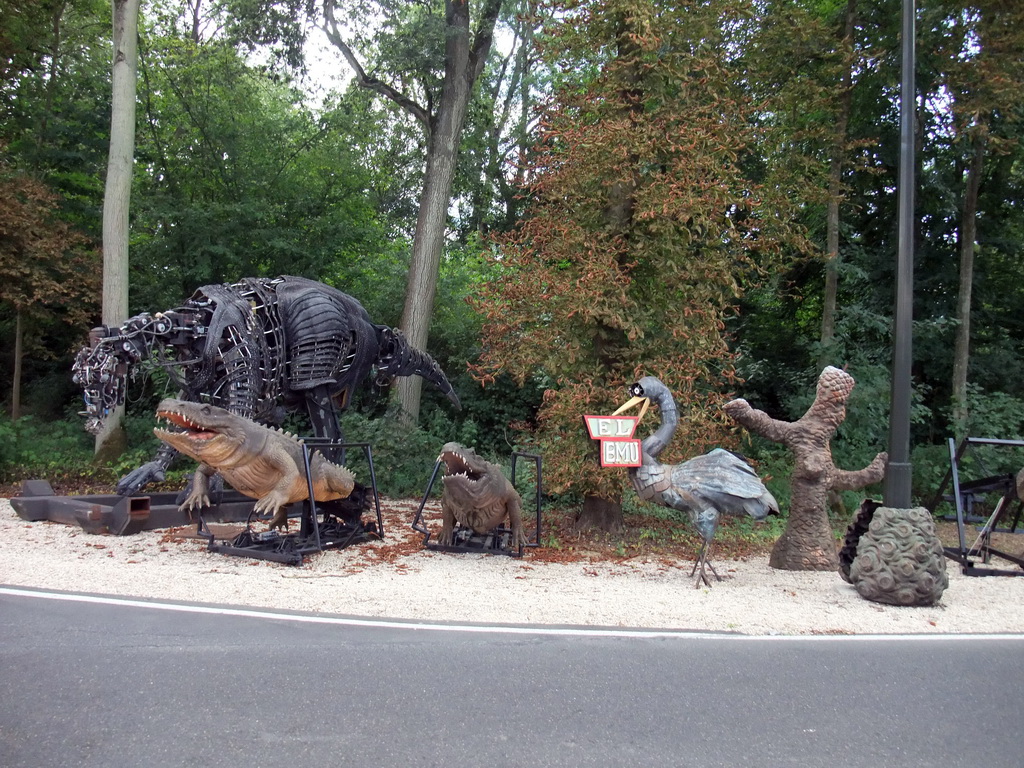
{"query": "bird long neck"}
pixel 656 442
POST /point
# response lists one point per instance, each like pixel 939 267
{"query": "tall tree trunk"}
pixel 432 220
pixel 464 60
pixel 968 233
pixel 117 194
pixel 835 192
pixel 16 389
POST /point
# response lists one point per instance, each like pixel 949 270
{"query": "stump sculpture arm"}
pixel 807 543
pixel 759 422
pixel 845 480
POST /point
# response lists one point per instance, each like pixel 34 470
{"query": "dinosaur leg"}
pixel 323 417
pixel 515 518
pixel 199 495
pixel 447 524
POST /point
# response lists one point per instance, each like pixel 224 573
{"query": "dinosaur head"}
pixel 205 432
pixel 101 370
pixel 467 477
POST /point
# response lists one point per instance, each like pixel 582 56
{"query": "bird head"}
pixel 639 398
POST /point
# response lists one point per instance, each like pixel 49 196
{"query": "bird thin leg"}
pixel 702 562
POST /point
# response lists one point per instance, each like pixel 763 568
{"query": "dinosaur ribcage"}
pixel 321 339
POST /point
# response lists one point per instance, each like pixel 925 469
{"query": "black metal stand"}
pixel 322 525
pixel 495 541
pixel 964 497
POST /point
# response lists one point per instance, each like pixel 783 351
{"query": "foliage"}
pixel 641 231
pixel 48 271
pixel 240 180
pixel 403 454
pixel 46 268
pixel 32 448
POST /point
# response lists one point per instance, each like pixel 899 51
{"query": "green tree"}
pixel 984 78
pixel 237 177
pixel 439 77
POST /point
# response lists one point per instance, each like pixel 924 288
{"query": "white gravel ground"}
pixel 429 586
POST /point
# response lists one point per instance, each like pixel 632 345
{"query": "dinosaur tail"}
pixel 398 358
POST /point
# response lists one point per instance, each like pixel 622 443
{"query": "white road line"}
pixel 484 629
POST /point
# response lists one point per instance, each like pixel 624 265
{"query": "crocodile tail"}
pixel 398 358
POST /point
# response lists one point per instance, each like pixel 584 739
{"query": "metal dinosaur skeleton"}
pixel 250 347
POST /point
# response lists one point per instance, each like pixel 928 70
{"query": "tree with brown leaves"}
pixel 640 235
pixel 47 271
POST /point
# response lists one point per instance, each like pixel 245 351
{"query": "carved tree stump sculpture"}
pixel 807 543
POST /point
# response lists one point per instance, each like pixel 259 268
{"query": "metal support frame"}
pixel 964 495
pixel 495 541
pixel 321 526
pixel 121 515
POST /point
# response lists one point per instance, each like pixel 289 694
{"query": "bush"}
pixel 30 447
pixel 403 456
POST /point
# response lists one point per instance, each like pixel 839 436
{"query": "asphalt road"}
pixel 122 684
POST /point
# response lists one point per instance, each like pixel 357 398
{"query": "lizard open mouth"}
pixel 184 426
pixel 456 466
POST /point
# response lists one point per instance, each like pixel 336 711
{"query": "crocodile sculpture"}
pixel 477 495
pixel 255 347
pixel 264 463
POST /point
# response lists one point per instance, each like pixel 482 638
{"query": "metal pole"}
pixel 898 471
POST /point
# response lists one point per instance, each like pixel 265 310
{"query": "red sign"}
pixel 618 448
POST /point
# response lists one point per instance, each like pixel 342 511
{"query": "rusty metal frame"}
pixel 120 515
pixel 963 495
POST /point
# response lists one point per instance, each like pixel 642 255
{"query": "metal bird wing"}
pixel 724 481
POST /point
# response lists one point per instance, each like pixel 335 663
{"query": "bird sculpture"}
pixel 705 487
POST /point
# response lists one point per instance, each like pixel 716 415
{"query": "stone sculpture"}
pixel 807 543
pixel 894 556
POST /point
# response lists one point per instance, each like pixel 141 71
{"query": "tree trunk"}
pixel 431 224
pixel 599 514
pixel 463 62
pixel 835 193
pixel 16 389
pixel 117 194
pixel 968 232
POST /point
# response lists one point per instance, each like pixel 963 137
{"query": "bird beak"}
pixel 646 401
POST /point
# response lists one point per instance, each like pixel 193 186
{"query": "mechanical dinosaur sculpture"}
pixel 250 347
pixel 266 464
pixel 477 495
